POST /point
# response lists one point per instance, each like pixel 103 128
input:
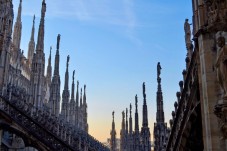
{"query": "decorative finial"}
pixel 126 112
pixel 84 88
pixel 81 92
pixel 77 84
pixel 58 41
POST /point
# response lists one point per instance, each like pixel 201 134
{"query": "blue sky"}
pixel 114 46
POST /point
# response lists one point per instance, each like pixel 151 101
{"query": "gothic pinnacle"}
pixel 19 12
pixel 159 97
pixel 81 103
pixel 33 29
pixel 136 115
pixel 57 59
pixel 58 41
pixel 77 94
pixel 17 29
pixel 113 115
pixel 126 120
pixel 84 97
pixel 40 43
pixel 145 121
pixel 73 85
pixel 66 87
pixel 130 119
pixel 130 110
pixel 136 103
pixel 49 59
pixel 31 45
pixel 49 69
pixel 144 93
pixel 113 124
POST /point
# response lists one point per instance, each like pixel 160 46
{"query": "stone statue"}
pixel 130 108
pixel 144 88
pixel 159 69
pixel 144 95
pixel 187 31
pixel 113 114
pixel 58 41
pixel 73 74
pixel 67 61
pixel 221 65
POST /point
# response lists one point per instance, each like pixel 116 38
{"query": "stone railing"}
pixel 48 129
pixel 186 102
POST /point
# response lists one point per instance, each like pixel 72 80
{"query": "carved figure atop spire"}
pixel 57 58
pixel 144 94
pixel 73 75
pixel 58 41
pixel 67 64
pixel 136 116
pixel 43 9
pixel 113 136
pixel 72 93
pixel 187 31
pixel 81 103
pixel 113 115
pixel 158 69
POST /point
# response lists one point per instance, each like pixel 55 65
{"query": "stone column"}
pixel 208 93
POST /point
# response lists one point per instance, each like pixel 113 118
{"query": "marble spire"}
pixel 31 45
pixel 159 97
pixel 65 94
pixel 55 84
pixel 40 39
pixel 17 29
pixel 113 133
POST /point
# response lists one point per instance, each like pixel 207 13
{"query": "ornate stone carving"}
pixel 221 65
pixel 221 112
pixel 187 31
pixel 41 123
pixel 217 14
